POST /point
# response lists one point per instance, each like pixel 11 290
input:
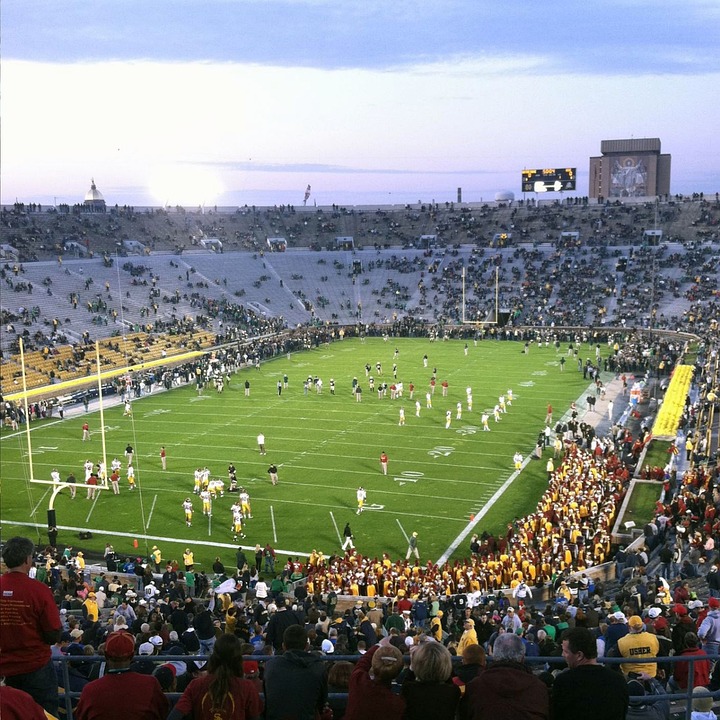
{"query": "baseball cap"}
pixel 250 667
pixel 327 647
pixel 165 675
pixel 156 640
pixel 146 649
pixel 713 603
pixel 119 646
pixel 635 622
pixel 654 612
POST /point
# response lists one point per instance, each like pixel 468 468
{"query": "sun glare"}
pixel 184 185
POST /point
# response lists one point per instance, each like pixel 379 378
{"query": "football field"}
pixel 325 446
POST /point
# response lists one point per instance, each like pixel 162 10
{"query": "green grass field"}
pixel 325 447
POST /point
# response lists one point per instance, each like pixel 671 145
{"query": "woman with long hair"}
pixel 222 694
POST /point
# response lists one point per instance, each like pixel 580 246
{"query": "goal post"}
pixel 481 323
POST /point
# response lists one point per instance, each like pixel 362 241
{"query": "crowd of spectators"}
pixel 671 285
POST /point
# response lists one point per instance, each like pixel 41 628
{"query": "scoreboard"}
pixel 548 180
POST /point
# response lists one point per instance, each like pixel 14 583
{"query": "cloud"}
pixel 319 168
pixel 602 37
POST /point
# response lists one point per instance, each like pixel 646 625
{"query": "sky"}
pixel 233 102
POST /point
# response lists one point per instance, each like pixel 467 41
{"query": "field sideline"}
pixel 324 446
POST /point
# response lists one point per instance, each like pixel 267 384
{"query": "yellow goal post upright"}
pixel 482 323
pixel 40 392
pixel 28 394
pixel 59 486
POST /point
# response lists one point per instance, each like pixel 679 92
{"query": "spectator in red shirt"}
pixel 29 625
pixel 682 593
pixel 678 681
pixel 122 694
pixel 370 695
pixel 223 692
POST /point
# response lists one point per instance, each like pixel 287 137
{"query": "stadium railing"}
pixel 678 700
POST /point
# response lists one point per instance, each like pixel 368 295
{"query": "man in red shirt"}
pixel 29 625
pixel 384 463
pixel 115 482
pixel 92 483
pixel 678 681
pixel 121 693
pixel 85 431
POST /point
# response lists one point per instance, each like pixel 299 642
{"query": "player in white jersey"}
pixel 496 413
pixel 501 403
pixel 216 487
pixel 361 496
pixel 207 502
pixel 237 525
pixel 115 465
pixel 188 509
pixel 484 420
pixel 417 408
pixel 509 394
pixel 402 417
pixel 102 471
pixel 131 477
pixel 518 460
pixel 55 476
pixel 205 477
pixel 448 419
pixel 244 497
pixel 458 413
pixel 198 481
pixel 88 467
